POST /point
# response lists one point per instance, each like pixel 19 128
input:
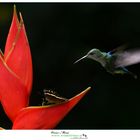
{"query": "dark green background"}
pixel 59 34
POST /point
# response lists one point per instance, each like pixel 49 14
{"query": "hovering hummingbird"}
pixel 114 61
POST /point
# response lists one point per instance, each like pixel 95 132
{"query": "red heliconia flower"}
pixel 16 76
pixel 15 69
pixel 45 117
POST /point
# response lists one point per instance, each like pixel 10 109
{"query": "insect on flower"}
pixel 52 97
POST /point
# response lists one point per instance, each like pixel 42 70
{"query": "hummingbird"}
pixel 114 61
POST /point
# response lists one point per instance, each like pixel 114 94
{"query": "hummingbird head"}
pixel 94 54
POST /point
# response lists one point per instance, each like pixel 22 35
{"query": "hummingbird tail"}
pixel 134 75
pixel 130 73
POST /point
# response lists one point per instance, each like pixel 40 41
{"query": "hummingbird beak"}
pixel 80 59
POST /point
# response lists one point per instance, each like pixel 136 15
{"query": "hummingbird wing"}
pixel 127 58
pixel 118 49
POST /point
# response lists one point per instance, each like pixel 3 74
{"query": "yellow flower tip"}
pixel 22 23
pixel 2 128
pixel 82 93
pixel 15 17
pixel 87 89
pixel 15 10
pixel 1 53
pixel 21 18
